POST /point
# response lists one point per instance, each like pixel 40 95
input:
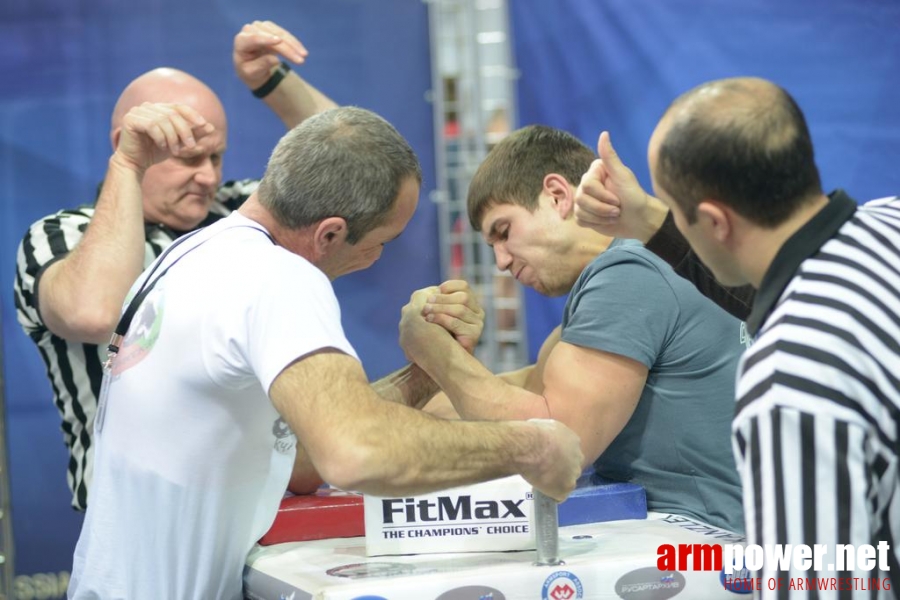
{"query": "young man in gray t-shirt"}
pixel 643 365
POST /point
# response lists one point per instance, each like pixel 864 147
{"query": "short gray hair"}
pixel 345 162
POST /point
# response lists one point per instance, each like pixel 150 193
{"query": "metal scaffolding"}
pixel 473 96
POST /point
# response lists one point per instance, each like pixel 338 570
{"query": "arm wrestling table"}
pixel 615 559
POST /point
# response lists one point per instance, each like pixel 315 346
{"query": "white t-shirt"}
pixel 192 459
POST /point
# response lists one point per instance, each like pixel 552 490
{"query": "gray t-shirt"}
pixel 677 443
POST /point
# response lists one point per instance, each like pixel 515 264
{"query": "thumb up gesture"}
pixel 610 200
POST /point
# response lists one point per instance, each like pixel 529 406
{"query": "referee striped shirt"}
pixel 75 369
pixel 818 397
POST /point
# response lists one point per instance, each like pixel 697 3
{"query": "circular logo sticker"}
pixel 562 585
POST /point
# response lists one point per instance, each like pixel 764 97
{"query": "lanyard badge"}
pixel 115 342
pixel 111 351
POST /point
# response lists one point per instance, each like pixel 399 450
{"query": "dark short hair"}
pixel 514 170
pixel 756 157
pixel 345 162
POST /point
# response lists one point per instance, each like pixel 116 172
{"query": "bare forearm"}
pixel 477 393
pixel 295 100
pixel 359 442
pixel 409 386
pixel 419 460
pixel 81 295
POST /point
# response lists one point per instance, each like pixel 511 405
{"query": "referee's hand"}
pixel 155 131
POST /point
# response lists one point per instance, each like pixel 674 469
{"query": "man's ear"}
pixel 557 187
pixel 717 218
pixel 330 233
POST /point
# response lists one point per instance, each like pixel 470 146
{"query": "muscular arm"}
pixel 357 441
pixel 441 406
pixel 81 295
pixel 592 392
pixel 529 378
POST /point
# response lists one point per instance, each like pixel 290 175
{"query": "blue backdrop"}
pixel 64 63
pixel 589 65
pixel 585 65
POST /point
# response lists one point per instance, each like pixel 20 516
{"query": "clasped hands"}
pixel 436 312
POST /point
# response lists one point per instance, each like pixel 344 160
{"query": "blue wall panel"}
pixel 589 65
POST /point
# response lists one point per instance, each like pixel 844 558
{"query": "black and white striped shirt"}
pixel 818 395
pixel 75 369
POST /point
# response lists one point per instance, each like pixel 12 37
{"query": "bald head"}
pixel 742 141
pixel 172 86
pixel 178 190
pixel 728 100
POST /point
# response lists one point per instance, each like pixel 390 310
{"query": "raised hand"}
pixel 610 200
pixel 455 308
pixel 153 132
pixel 258 48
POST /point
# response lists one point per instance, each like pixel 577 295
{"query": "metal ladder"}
pixel 473 97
